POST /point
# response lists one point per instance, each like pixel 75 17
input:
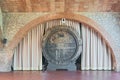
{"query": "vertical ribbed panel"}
pixel 28 53
pixel 100 53
pixel 87 63
pixel 109 59
pixel 83 55
pixel 96 55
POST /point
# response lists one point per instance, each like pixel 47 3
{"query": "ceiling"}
pixel 60 5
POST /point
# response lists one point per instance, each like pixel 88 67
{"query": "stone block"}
pixel 5 60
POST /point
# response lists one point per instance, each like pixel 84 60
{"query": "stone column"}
pixel 5 60
pixel 117 68
pixel 117 57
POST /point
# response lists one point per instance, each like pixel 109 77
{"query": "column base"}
pixel 117 68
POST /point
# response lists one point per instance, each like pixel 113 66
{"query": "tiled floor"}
pixel 60 75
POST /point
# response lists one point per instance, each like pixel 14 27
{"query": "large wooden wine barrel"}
pixel 61 45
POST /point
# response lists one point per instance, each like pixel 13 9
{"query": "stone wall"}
pixel 0 29
pixel 5 60
pixel 108 20
pixel 13 22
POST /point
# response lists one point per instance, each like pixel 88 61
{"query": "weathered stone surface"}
pixel 5 60
pixel 12 22
pixel 108 21
pixel 117 68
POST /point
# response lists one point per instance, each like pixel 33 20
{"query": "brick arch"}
pixel 71 16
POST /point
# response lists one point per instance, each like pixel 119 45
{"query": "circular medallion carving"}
pixel 61 45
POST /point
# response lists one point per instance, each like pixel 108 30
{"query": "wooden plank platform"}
pixel 60 75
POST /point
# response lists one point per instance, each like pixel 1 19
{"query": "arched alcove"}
pixel 71 16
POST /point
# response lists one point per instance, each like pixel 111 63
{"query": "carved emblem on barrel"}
pixel 61 45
